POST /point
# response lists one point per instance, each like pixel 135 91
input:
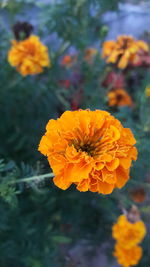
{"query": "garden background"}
pixel 42 225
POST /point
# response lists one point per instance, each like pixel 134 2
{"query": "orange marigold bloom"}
pixel 29 56
pixel 123 50
pixel 119 98
pixel 128 257
pixel 127 233
pixel 90 149
pixel 68 60
pixel 138 195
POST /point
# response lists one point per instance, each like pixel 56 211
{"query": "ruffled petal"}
pixel 122 176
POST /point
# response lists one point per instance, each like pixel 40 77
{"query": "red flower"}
pixel 114 80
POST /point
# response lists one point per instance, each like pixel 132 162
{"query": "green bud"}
pixel 103 31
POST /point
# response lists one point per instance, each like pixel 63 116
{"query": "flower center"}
pixel 92 145
pixel 119 97
pixel 87 147
pixel 126 43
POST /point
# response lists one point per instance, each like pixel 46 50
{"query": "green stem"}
pixel 140 183
pixel 33 178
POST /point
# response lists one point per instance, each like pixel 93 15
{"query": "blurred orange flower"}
pixel 123 51
pixel 138 195
pixel 128 257
pixel 119 98
pixel 127 233
pixel 68 60
pixel 89 54
pixel 29 56
pixel 90 149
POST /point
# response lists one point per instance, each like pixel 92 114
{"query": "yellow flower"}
pixel 29 56
pixel 128 257
pixel 108 47
pixel 119 98
pixel 147 91
pixel 123 51
pixel 127 233
pixel 90 149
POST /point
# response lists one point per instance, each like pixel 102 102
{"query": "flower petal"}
pixel 122 176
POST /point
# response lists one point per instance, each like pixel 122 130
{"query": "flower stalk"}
pixel 33 178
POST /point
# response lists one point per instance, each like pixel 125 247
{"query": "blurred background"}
pixel 41 225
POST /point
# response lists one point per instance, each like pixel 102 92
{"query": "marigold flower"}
pixel 147 91
pixel 90 149
pixel 123 50
pixel 119 98
pixel 68 60
pixel 127 233
pixel 89 54
pixel 128 257
pixel 29 56
pixel 138 195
